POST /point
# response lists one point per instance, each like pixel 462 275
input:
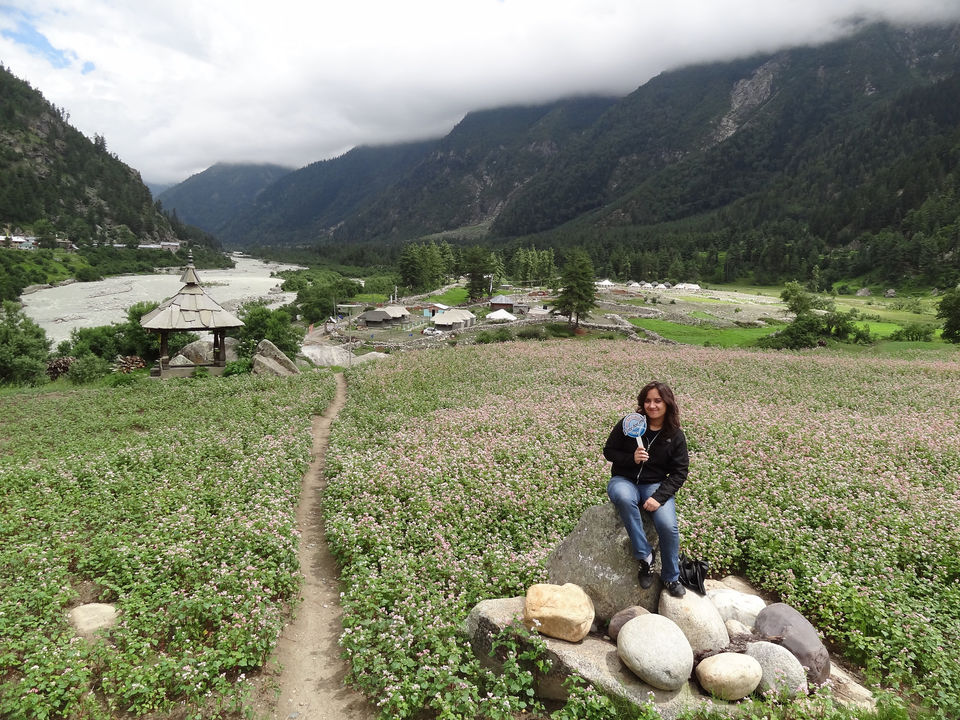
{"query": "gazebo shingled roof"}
pixel 191 309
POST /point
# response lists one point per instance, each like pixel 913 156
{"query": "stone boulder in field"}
pixel 559 611
pixel 598 557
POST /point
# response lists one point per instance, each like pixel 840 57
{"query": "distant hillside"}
pixel 308 203
pixel 815 163
pixel 49 171
pixel 400 191
pixel 210 199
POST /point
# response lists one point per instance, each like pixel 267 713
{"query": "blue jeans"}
pixel 628 497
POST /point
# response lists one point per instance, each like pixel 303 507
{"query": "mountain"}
pixel 211 198
pixel 49 171
pixel 400 191
pixel 308 203
pixel 820 163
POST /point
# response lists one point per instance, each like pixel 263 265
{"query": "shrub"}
pixel 913 332
pixel 483 337
pixel 87 368
pixel 531 332
pixel 238 367
pixel 560 330
pixel 262 323
pixel 23 347
pixel 502 335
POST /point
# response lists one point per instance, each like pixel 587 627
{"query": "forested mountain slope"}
pixel 210 199
pixel 49 171
pixel 833 161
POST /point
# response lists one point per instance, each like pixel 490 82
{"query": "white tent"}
pixel 501 315
pixel 604 284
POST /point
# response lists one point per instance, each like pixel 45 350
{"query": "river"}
pixel 58 310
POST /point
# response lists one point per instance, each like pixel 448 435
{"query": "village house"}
pixel 455 319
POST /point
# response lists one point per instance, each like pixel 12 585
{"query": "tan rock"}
pixel 729 676
pixel 740 584
pixel 559 611
pixel 89 618
pixel 849 691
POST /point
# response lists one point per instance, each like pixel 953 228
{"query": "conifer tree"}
pixel 578 294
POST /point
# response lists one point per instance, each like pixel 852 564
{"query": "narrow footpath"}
pixel 311 671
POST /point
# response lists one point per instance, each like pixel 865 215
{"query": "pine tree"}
pixel 578 295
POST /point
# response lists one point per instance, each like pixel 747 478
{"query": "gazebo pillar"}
pixel 164 354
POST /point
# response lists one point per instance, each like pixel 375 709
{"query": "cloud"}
pixel 178 85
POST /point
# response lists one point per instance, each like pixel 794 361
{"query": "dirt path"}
pixel 311 676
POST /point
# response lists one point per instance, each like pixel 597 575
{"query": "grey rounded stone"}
pixel 698 618
pixel 782 672
pixel 734 605
pixel 656 650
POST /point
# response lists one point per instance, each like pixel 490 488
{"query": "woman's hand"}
pixel 650 505
pixel 640 455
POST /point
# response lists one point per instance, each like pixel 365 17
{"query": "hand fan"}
pixel 635 425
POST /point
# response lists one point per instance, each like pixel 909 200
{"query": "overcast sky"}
pixel 177 85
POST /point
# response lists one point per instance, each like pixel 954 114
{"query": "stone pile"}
pixel 636 644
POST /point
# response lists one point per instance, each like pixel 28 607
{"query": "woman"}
pixel 646 476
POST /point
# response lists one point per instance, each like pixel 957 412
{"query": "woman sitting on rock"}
pixel 646 475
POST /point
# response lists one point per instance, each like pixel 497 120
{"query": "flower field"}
pixel 173 500
pixel 833 482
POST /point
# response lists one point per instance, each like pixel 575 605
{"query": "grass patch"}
pixel 704 335
pixel 453 296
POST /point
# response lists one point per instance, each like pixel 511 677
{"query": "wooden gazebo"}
pixel 191 310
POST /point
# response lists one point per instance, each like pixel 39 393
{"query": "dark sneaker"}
pixel 644 576
pixel 675 588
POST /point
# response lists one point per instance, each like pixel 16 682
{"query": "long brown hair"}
pixel 671 418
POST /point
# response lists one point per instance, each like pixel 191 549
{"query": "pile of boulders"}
pixel 642 644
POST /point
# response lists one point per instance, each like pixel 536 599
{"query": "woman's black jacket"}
pixel 668 463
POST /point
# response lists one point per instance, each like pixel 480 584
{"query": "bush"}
pixel 123 379
pixel 483 337
pixel 87 368
pixel 560 330
pixel 531 332
pixel 502 335
pixel 913 332
pixel 238 367
pixel 262 323
pixel 23 347
pixel 804 332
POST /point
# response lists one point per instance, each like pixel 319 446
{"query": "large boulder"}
pixel 729 676
pixel 328 355
pixel 200 352
pixel 735 605
pixel 796 633
pixel 593 659
pixel 782 672
pixel 698 619
pixel 655 648
pixel 268 359
pixel 598 557
pixel 559 611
